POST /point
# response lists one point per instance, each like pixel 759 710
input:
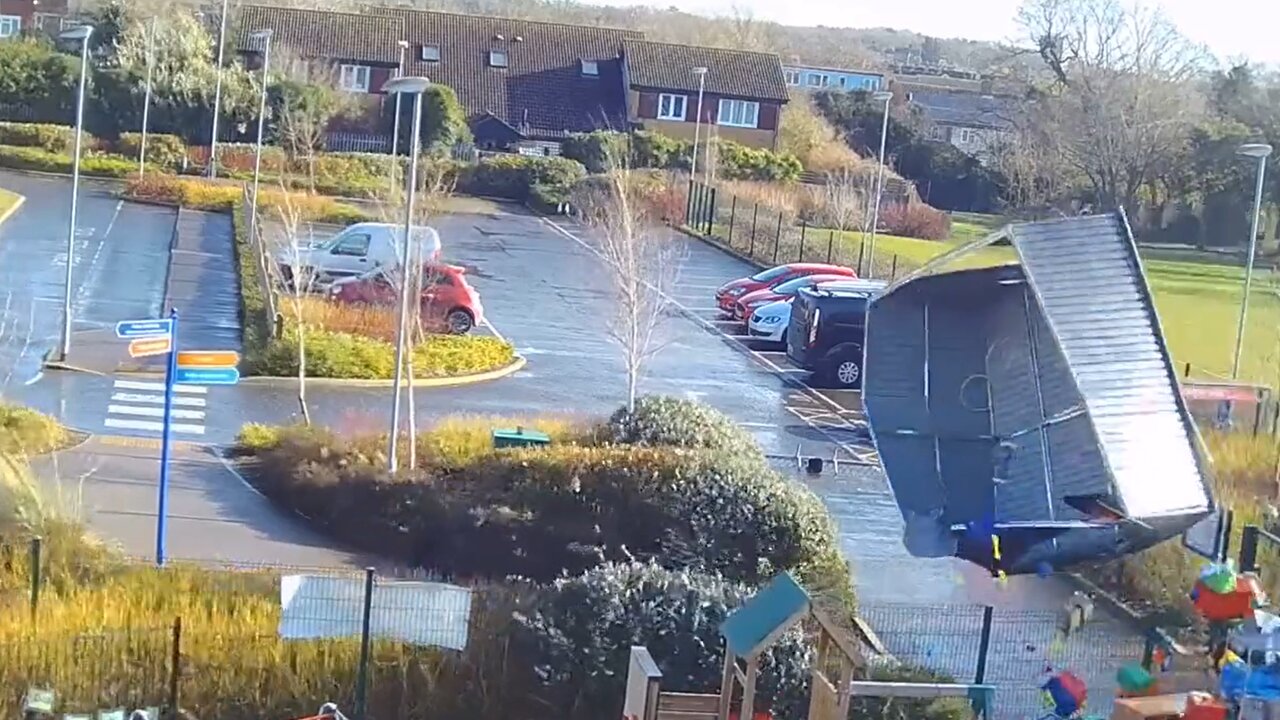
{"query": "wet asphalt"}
pixel 543 289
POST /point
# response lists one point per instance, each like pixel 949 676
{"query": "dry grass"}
pixel 373 321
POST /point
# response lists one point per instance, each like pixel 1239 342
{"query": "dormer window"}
pixel 498 58
pixel 430 53
pixel 590 68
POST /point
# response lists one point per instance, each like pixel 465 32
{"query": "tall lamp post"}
pixel 1259 152
pixel 217 94
pixel 701 72
pixel 883 96
pixel 146 103
pixel 414 86
pixel 80 34
pixel 263 36
pixel 395 127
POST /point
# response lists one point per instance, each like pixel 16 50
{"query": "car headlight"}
pixel 737 291
pixel 771 320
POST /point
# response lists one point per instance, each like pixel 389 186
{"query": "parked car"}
pixel 729 293
pixel 746 304
pixel 354 252
pixel 769 323
pixel 827 332
pixel 449 303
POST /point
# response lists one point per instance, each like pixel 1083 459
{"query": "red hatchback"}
pixel 728 294
pixel 748 303
pixel 449 303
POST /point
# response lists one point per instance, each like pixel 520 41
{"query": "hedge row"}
pixel 601 150
pixel 350 356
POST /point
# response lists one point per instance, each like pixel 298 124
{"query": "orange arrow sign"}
pixel 144 347
pixel 208 358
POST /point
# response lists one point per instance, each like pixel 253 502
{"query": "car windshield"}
pixel 770 274
pixel 791 287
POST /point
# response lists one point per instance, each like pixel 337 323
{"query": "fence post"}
pixel 831 243
pixel 175 667
pixel 711 214
pixel 1249 548
pixel 804 228
pixel 755 215
pixel 733 215
pixel 984 645
pixel 1186 370
pixel 893 269
pixel 688 202
pixel 36 543
pixel 777 239
pixel 362 675
pixel 862 248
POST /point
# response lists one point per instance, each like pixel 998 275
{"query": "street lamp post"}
pixel 265 37
pixel 1259 152
pixel 395 127
pixel 217 94
pixel 146 103
pixel 701 72
pixel 414 86
pixel 882 96
pixel 82 35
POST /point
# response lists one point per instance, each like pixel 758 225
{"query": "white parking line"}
pixel 153 426
pixel 156 412
pixel 159 387
pixel 157 399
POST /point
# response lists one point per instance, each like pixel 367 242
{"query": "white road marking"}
pixel 155 412
pixel 153 426
pixel 159 387
pixel 157 399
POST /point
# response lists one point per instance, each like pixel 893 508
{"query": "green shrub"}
pixel 662 420
pixel 46 136
pixel 351 356
pixel 514 176
pixel 256 437
pixel 579 638
pixel 655 150
pixel 599 151
pixel 24 431
pixel 739 162
pixel 166 151
pixel 31 158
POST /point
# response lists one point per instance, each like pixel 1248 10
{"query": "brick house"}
pixel 743 92
pixel 17 16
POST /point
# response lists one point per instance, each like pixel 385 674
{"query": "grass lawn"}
pixel 1198 303
pixel 7 201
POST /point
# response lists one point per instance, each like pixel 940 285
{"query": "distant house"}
pixel 809 77
pixel 968 116
pixel 742 94
pixel 31 16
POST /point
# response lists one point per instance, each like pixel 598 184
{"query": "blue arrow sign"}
pixel 144 328
pixel 206 376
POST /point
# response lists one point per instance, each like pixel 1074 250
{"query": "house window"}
pixel 843 80
pixel 354 78
pixel 590 68
pixel 430 53
pixel 671 107
pixel 793 77
pixel 10 26
pixel 498 58
pixel 966 136
pixel 739 113
pixel 819 80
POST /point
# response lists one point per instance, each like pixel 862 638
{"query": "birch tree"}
pixel 641 259
pixel 295 279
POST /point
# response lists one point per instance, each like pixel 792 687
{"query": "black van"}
pixel 827 328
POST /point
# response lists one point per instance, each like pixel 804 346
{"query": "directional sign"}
pixel 206 376
pixel 208 359
pixel 147 346
pixel 129 329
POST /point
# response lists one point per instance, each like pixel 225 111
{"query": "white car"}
pixel 769 322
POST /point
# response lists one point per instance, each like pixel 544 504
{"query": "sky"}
pixel 1230 28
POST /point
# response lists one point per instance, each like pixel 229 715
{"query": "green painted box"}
pixel 519 437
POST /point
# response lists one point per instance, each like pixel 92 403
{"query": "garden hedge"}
pixel 351 356
pixel 95 165
pixel 603 149
pixel 45 136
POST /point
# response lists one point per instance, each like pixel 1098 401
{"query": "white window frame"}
pixel 967 136
pixel 819 80
pixel 738 113
pixel 493 59
pixel 673 99
pixel 430 52
pixel 354 78
pixel 793 77
pixel 590 68
pixel 10 26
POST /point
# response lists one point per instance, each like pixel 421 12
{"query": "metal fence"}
pixel 1014 650
pixel 769 236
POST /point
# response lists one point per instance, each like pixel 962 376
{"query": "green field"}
pixel 1198 303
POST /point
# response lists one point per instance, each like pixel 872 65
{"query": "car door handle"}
pixel 363 259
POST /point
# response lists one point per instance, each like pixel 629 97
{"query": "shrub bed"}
pixel 539 513
pixel 226 194
pixel 165 151
pixel 93 165
pixel 603 150
pixel 24 431
pixel 515 176
pixel 46 136
pixel 355 356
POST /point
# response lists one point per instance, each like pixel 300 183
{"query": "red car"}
pixel 448 301
pixel 748 303
pixel 728 294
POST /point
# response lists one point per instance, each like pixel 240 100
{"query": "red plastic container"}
pixel 1221 607
pixel 1205 707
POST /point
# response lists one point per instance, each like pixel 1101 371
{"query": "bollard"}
pixel 362 674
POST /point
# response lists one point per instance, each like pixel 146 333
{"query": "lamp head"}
pixel 406 86
pixel 882 96
pixel 79 33
pixel 1254 150
pixel 699 71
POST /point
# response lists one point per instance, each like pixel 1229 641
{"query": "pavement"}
pixel 545 290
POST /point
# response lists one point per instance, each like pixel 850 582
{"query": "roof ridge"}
pixel 707 47
pixel 425 11
pixel 318 11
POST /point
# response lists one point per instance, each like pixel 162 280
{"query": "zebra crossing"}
pixel 139 405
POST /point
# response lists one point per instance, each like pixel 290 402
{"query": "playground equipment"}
pixel 748 632
pixel 1021 412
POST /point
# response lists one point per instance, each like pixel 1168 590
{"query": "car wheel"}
pixel 846 372
pixel 460 322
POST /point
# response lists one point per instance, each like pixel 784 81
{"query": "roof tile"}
pixel 363 37
pixel 736 73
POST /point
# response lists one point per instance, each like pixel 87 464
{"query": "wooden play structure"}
pixel 748 632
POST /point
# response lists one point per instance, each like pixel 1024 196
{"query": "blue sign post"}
pixel 162 499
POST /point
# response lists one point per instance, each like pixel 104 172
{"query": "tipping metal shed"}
pixel 1033 401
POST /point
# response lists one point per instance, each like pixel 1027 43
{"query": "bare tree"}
pixel 843 197
pixel 309 101
pixel 641 259
pixel 1122 103
pixel 296 280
